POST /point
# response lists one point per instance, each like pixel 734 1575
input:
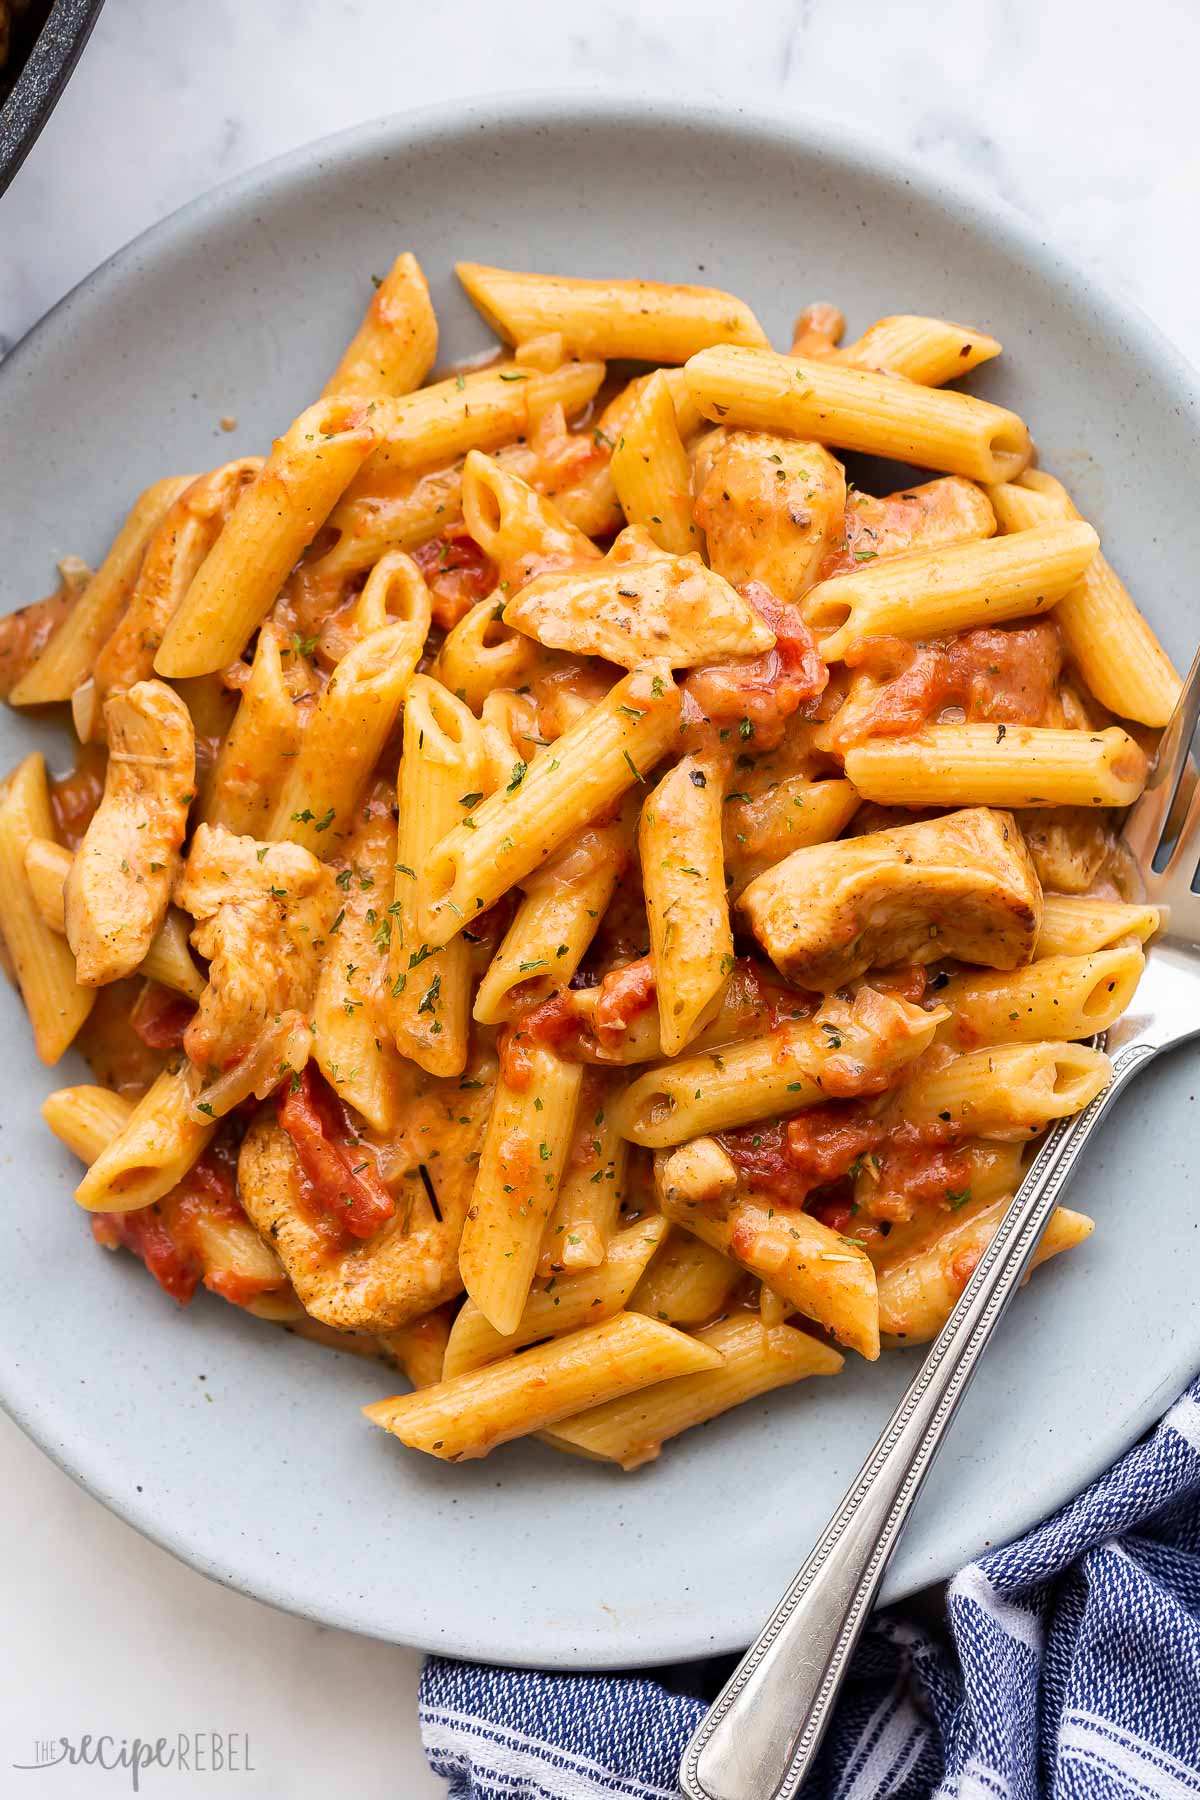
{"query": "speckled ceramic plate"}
pixel 242 1449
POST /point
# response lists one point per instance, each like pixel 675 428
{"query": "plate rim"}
pixel 808 134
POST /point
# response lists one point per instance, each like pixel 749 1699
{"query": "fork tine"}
pixel 1144 826
pixel 1181 865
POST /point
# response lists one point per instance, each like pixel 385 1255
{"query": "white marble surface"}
pixel 1077 111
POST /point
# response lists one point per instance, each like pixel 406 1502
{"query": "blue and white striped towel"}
pixel 1077 1676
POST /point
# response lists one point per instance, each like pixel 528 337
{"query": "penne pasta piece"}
pixel 470 1414
pixel 563 1303
pixel 419 1348
pixel 168 960
pixel 929 351
pixel 683 877
pixel 1008 1091
pixel 521 530
pixel 394 348
pixel 847 1046
pixel 351 1051
pixel 345 736
pixel 70 657
pixel 441 770
pixel 919 1290
pixel 118 887
pixel 275 518
pixel 816 1271
pixel 651 470
pixel 45 969
pixel 592 1190
pixel 86 1119
pixel 1074 926
pixel 758 831
pixel 258 750
pixel 478 411
pixel 962 885
pixel 516 1184
pixel 688 1282
pixel 160 1141
pixel 394 593
pixel 859 410
pixel 1105 635
pixel 170 565
pixel 557 919
pixel 670 607
pixel 1057 996
pixel 998 765
pixel 564 788
pixel 645 321
pixel 481 654
pixel 754 1361
pixel 952 588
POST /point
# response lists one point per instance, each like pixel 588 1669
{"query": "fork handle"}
pixel 759 1738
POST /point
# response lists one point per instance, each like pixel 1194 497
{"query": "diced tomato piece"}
pixel 161 1017
pixel 343 1183
pixel 145 1232
pixel 624 994
pixel 458 572
pixel 759 694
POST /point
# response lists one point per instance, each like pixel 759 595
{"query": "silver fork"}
pixel 759 1737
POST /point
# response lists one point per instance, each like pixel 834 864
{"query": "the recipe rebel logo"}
pixel 187 1753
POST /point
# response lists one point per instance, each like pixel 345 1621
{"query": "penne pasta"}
pixel 263 741
pixel 345 737
pixel 950 589
pixel 632 1430
pixel 1056 996
pixel 646 321
pixel 275 518
pixel 159 1142
pixel 168 960
pixel 86 1119
pixel 564 788
pixel 931 351
pixel 394 348
pixel 474 1412
pixel 482 653
pixel 859 410
pixel 557 919
pixel 45 969
pixel 999 765
pixel 919 1291
pixel 478 411
pixel 351 1049
pixel 516 1184
pixel 796 1065
pixel 428 1003
pixel 815 1270
pixel 521 530
pixel 1106 636
pixel 758 831
pixel 1075 926
pixel 563 1303
pixel 687 1283
pixel 1009 1090
pixel 580 1230
pixel 419 1348
pixel 683 877
pixel 651 470
pixel 70 657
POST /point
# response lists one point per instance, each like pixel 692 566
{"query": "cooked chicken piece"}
pixel 1069 847
pixel 411 1262
pixel 120 882
pixel 950 510
pixel 668 607
pixel 263 913
pixel 962 885
pixel 772 509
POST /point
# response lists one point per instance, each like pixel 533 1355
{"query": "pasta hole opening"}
pixel 482 511
pixel 1009 448
pixel 828 613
